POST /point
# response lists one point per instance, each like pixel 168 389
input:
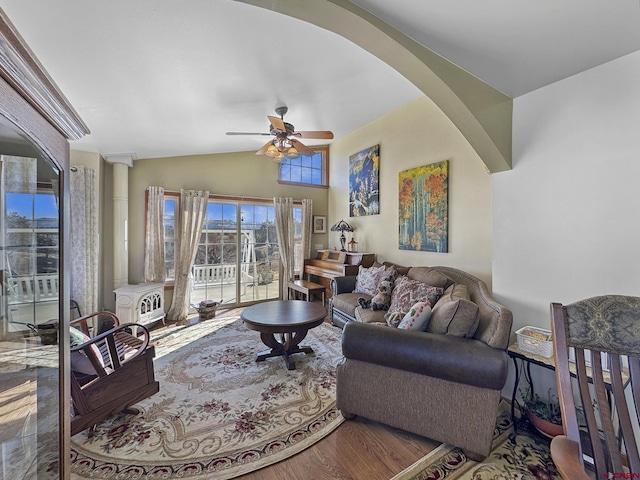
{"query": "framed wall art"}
pixel 364 176
pixel 319 224
pixel 423 208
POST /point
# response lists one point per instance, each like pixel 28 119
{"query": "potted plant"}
pixel 544 414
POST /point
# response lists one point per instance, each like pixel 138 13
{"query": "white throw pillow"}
pixel 417 318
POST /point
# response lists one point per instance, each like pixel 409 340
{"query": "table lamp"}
pixel 342 227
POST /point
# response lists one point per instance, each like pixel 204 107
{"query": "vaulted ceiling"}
pixel 159 78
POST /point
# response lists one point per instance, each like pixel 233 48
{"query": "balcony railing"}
pixel 28 289
pixel 214 274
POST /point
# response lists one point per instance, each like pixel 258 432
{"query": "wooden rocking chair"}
pixel 110 372
pixel 598 328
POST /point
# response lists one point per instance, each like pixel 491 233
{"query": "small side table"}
pixel 307 288
pixel 527 359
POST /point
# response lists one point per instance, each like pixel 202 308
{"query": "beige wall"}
pixel 238 174
pixel 414 135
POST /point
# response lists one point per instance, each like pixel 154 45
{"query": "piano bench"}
pixel 307 289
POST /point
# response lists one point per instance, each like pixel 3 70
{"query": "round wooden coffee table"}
pixel 283 325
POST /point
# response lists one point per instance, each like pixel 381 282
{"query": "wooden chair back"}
pixel 597 343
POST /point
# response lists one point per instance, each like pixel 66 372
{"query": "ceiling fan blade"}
pixel 247 133
pixel 263 150
pixel 325 134
pixel 301 147
pixel 277 123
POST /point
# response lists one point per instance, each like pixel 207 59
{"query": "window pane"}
pixel 306 175
pixel 169 237
pixel 308 170
pixel 316 177
pixel 316 161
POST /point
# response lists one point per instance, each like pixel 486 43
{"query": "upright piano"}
pixel 332 263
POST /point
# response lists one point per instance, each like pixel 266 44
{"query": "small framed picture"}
pixel 319 224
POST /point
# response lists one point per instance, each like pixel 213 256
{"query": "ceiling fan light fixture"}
pixel 281 146
pixel 272 151
pixel 293 153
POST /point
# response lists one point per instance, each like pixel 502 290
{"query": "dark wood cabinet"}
pixel 36 124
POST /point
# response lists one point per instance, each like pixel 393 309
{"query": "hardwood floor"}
pixel 358 449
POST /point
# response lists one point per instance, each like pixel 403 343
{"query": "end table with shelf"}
pixel 527 359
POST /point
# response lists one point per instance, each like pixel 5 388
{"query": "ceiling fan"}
pixel 285 143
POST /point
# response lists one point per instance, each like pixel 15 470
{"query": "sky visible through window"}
pixel 224 214
pixel 38 206
pixel 304 169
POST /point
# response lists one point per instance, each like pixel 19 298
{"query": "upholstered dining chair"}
pixel 602 330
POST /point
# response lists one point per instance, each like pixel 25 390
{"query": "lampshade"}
pixel 342 226
pixel 272 151
pixel 278 157
pixel 292 153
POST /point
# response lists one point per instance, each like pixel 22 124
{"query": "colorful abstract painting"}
pixel 424 208
pixel 364 175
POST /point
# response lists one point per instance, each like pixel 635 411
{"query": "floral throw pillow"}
pixel 407 293
pixel 367 279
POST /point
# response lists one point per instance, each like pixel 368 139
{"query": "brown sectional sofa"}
pixel 437 383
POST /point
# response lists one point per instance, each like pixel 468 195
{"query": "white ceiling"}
pixel 158 78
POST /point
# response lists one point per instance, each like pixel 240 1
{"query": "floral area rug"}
pixel 525 457
pixel 218 413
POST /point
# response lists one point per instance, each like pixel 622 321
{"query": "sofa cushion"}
pixel 399 268
pixel 368 278
pixel 455 314
pixel 429 276
pixel 417 318
pixel 366 315
pixel 408 292
pixel 347 302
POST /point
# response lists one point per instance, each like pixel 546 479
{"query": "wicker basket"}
pixel 529 341
pixel 207 309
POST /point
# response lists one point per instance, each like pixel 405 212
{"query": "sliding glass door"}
pixel 237 260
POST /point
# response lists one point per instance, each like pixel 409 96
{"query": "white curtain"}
pixel 193 209
pixel 154 270
pixel 84 239
pixel 307 216
pixel 284 234
pixel 19 174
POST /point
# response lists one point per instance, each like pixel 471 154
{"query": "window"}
pixel 31 222
pixel 298 264
pixel 306 170
pixel 237 261
pixel 170 202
